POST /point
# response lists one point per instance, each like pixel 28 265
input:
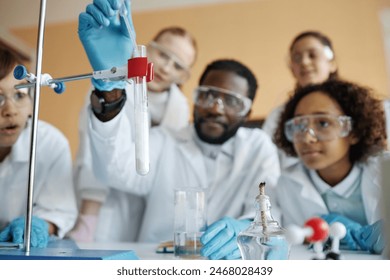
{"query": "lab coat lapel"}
pixel 192 153
pixel 223 170
pixel 370 190
pixel 19 152
pixel 307 189
pixel 176 114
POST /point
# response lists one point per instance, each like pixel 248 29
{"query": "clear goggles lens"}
pixel 166 56
pixel 322 127
pixel 20 98
pixel 207 96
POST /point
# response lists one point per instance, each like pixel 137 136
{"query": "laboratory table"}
pixel 147 251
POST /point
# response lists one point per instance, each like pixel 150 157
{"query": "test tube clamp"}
pixel 135 67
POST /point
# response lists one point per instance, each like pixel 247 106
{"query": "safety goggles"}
pixel 207 96
pixel 20 99
pixel 313 54
pixel 323 127
pixel 166 57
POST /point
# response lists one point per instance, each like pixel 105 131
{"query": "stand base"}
pixel 63 250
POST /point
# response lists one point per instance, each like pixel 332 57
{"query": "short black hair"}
pixel 236 67
pixel 358 102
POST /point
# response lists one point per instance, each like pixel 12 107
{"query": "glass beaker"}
pixel 190 222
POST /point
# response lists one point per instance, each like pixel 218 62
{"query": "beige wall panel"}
pixel 257 33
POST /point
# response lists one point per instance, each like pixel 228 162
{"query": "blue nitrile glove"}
pixel 370 237
pixel 105 38
pixel 351 226
pixel 280 249
pixel 220 239
pixel 14 232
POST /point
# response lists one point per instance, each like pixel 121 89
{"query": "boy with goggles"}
pixel 20 98
pixel 54 200
pixel 207 96
pixel 322 126
pixel 336 130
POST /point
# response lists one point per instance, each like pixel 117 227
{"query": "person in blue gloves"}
pixel 172 52
pixel 54 201
pixel 337 131
pixel 214 153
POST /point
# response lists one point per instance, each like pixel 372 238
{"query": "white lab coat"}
pixel 271 122
pixel 176 161
pixel 121 213
pixel 53 194
pixel 270 125
pixel 299 200
pixel 386 106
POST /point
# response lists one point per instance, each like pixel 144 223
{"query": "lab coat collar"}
pixel 209 150
pixel 189 141
pixel 300 174
pixel 214 150
pixel 158 96
pixel 189 135
pixel 176 114
pixel 193 153
pixel 345 188
pixel 20 150
pixel 157 102
pixel 371 186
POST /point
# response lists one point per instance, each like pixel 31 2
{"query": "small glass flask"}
pixel 264 239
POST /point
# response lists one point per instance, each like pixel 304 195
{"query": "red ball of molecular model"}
pixel 316 231
pixel 319 229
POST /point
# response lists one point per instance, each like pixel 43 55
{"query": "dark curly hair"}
pixel 360 103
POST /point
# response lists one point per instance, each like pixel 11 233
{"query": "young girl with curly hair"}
pixel 337 131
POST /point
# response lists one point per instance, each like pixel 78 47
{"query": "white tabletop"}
pixel 147 251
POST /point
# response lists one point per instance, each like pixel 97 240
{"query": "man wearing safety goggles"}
pixel 337 132
pixel 219 113
pixel 214 154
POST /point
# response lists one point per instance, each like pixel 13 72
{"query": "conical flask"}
pixel 264 239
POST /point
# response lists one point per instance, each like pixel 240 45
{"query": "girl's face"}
pixel 172 56
pixel 15 108
pixel 330 158
pixel 311 61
